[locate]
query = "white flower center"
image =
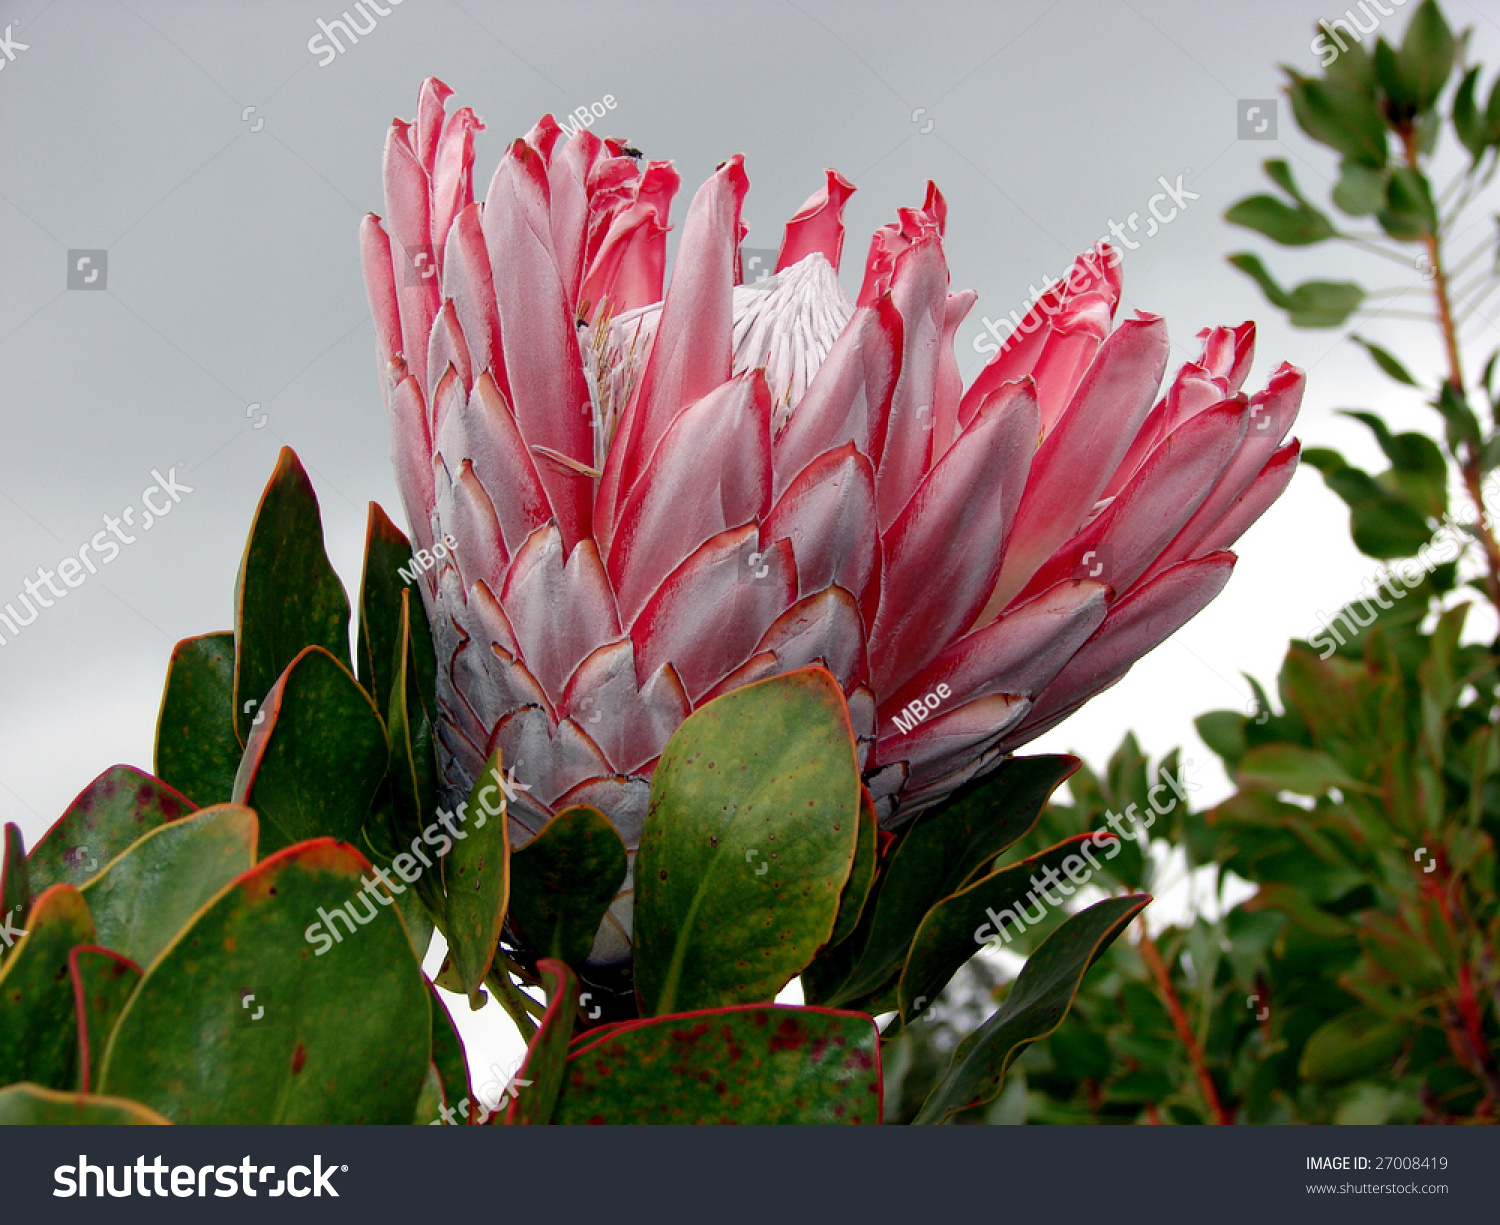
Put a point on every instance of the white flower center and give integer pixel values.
(786, 323)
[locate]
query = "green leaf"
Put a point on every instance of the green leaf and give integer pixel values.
(862, 875)
(944, 848)
(1224, 732)
(145, 896)
(1492, 113)
(36, 993)
(197, 750)
(1344, 119)
(316, 758)
(1294, 902)
(1383, 524)
(1038, 1001)
(1360, 191)
(1387, 363)
(430, 1101)
(404, 804)
(287, 597)
(1358, 1043)
(748, 843)
(1462, 424)
(448, 1055)
(31, 1104)
(562, 882)
(1279, 221)
(1468, 121)
(102, 981)
(540, 1080)
(1419, 473)
(1409, 211)
(950, 932)
(341, 1040)
(1352, 67)
(15, 885)
(476, 873)
(410, 719)
(1290, 767)
(1312, 304)
(114, 810)
(1426, 56)
(387, 554)
(755, 1064)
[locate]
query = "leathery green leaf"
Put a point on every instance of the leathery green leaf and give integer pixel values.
(949, 934)
(15, 884)
(36, 995)
(476, 873)
(317, 756)
(387, 554)
(102, 982)
(145, 896)
(31, 1104)
(242, 1020)
(534, 1091)
(748, 843)
(1038, 1001)
(448, 1055)
(197, 750)
(287, 597)
(941, 850)
(757, 1063)
(862, 875)
(118, 807)
(563, 881)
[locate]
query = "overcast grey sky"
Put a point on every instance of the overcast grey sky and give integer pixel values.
(224, 171)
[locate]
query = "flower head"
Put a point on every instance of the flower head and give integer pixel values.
(657, 497)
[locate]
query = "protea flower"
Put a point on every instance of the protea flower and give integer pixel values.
(658, 498)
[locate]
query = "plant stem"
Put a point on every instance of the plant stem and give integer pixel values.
(513, 1000)
(1154, 963)
(1471, 462)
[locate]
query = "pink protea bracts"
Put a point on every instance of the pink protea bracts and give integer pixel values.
(655, 500)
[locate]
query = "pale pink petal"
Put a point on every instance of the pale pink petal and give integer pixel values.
(1077, 459)
(828, 514)
(561, 610)
(930, 590)
(825, 629)
(1123, 541)
(1020, 652)
(548, 393)
(715, 587)
(631, 725)
(1137, 624)
(818, 226)
(691, 354)
(849, 399)
(468, 284)
(710, 471)
(380, 284)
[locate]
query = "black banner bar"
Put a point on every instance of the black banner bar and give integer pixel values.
(1160, 1174)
